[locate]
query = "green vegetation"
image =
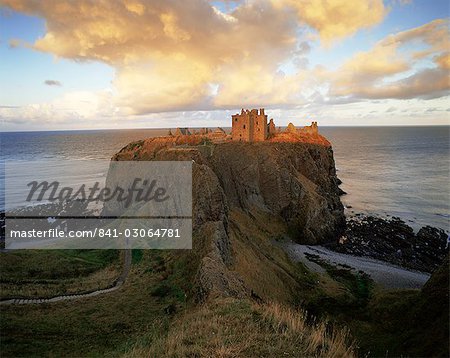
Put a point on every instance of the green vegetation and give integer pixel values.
(206, 141)
(135, 145)
(136, 256)
(359, 285)
(53, 264)
(155, 312)
(97, 326)
(46, 273)
(386, 322)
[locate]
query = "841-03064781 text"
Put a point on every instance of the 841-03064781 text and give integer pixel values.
(98, 232)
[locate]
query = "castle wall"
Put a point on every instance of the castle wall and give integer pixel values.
(271, 128)
(260, 126)
(241, 127)
(249, 126)
(312, 129)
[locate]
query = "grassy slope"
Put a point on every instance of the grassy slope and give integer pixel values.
(385, 323)
(40, 273)
(96, 326)
(240, 328)
(390, 323)
(158, 290)
(154, 312)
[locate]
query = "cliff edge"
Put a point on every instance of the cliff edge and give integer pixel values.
(294, 181)
(245, 195)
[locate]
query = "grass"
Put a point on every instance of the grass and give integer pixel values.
(159, 289)
(387, 323)
(136, 256)
(154, 313)
(53, 264)
(262, 265)
(359, 285)
(46, 273)
(99, 326)
(240, 328)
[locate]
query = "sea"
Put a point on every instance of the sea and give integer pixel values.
(385, 171)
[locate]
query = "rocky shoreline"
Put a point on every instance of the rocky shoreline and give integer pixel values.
(393, 241)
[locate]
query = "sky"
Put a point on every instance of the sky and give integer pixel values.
(167, 63)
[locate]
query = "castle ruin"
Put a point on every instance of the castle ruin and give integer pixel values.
(251, 126)
(312, 129)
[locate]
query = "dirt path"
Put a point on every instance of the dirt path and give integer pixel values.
(75, 296)
(387, 275)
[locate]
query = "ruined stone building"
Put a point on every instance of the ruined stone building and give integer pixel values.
(312, 129)
(249, 126)
(218, 133)
(182, 131)
(272, 129)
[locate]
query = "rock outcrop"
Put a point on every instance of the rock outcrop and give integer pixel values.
(292, 182)
(296, 181)
(394, 241)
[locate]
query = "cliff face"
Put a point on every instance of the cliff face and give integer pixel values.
(294, 181)
(291, 185)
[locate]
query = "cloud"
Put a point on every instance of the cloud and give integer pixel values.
(443, 61)
(52, 83)
(185, 55)
(126, 32)
(335, 19)
(390, 70)
(426, 84)
(13, 43)
(188, 56)
(68, 108)
(403, 2)
(1, 106)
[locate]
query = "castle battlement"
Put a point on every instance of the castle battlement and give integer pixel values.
(251, 126)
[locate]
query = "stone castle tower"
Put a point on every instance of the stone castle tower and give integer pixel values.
(249, 126)
(252, 126)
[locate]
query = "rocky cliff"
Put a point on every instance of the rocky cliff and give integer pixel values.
(294, 181)
(278, 188)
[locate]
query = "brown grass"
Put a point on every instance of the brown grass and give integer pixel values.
(320, 338)
(238, 328)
